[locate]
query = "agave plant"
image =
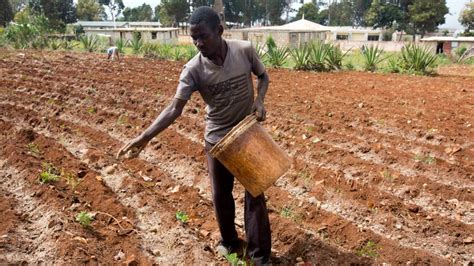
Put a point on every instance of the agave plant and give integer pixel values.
(300, 57)
(417, 58)
(372, 57)
(177, 53)
(276, 57)
(393, 64)
(150, 50)
(260, 50)
(136, 43)
(55, 44)
(334, 57)
(68, 45)
(191, 51)
(89, 43)
(165, 51)
(318, 56)
(121, 44)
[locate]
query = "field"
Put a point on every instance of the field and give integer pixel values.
(383, 165)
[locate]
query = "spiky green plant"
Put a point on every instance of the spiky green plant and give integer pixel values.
(182, 217)
(54, 44)
(191, 51)
(68, 45)
(49, 174)
(150, 50)
(90, 43)
(260, 50)
(84, 218)
(276, 57)
(301, 57)
(136, 43)
(334, 57)
(372, 57)
(165, 51)
(318, 56)
(417, 58)
(393, 64)
(177, 53)
(121, 44)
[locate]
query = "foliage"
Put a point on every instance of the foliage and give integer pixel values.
(141, 13)
(368, 250)
(234, 259)
(393, 64)
(54, 44)
(29, 32)
(90, 43)
(177, 53)
(33, 149)
(89, 10)
(121, 44)
(191, 52)
(136, 43)
(318, 56)
(334, 57)
(114, 7)
(177, 9)
(340, 13)
(426, 15)
(150, 50)
(383, 14)
(372, 56)
(275, 56)
(84, 218)
(182, 217)
(58, 12)
(417, 58)
(310, 12)
(466, 17)
(68, 45)
(6, 12)
(300, 57)
(49, 174)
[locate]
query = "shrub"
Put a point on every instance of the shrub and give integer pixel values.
(417, 58)
(318, 56)
(90, 43)
(275, 56)
(49, 174)
(136, 43)
(372, 57)
(121, 44)
(393, 64)
(55, 44)
(150, 50)
(68, 45)
(165, 51)
(300, 57)
(177, 53)
(334, 57)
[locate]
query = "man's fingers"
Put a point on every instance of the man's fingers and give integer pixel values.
(123, 150)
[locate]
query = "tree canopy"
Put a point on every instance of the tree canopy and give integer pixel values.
(466, 18)
(89, 10)
(58, 12)
(426, 15)
(6, 12)
(141, 13)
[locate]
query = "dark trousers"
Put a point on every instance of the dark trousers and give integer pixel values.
(257, 224)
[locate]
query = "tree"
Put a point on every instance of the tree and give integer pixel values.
(360, 8)
(58, 12)
(426, 15)
(18, 5)
(466, 18)
(310, 12)
(176, 10)
(6, 12)
(384, 15)
(274, 10)
(340, 13)
(89, 10)
(141, 13)
(114, 7)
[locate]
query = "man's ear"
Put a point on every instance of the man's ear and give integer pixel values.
(220, 29)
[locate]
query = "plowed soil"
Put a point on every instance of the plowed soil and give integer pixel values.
(383, 166)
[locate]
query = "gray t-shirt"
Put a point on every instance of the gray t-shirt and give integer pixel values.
(227, 89)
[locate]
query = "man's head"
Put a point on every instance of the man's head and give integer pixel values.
(206, 30)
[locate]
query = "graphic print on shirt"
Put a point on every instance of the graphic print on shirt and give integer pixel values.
(229, 92)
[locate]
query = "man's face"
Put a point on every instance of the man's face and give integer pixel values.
(207, 40)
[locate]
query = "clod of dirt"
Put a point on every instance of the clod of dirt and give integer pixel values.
(120, 256)
(110, 169)
(468, 240)
(414, 208)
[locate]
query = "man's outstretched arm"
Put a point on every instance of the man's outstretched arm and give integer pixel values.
(258, 106)
(163, 121)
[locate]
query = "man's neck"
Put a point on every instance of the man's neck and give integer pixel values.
(219, 57)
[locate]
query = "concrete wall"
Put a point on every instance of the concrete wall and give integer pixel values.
(355, 45)
(163, 37)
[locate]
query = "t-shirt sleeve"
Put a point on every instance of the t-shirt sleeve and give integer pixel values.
(186, 85)
(257, 66)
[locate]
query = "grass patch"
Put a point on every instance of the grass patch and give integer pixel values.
(427, 159)
(33, 149)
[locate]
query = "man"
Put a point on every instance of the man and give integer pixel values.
(221, 73)
(113, 52)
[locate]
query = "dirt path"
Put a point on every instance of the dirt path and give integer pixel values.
(382, 165)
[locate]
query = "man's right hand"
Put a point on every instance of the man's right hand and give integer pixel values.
(133, 147)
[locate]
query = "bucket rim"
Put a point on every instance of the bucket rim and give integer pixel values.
(233, 134)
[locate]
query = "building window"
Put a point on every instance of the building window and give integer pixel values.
(373, 38)
(153, 35)
(342, 37)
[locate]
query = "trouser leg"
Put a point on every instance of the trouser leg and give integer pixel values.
(222, 183)
(257, 228)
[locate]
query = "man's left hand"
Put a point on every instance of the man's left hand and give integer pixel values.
(259, 110)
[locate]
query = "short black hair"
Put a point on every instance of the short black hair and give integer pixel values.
(205, 15)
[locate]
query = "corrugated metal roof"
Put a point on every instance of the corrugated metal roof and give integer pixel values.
(352, 29)
(111, 24)
(132, 29)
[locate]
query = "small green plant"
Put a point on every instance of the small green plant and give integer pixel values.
(191, 52)
(165, 51)
(122, 119)
(372, 57)
(136, 43)
(300, 57)
(349, 66)
(182, 217)
(49, 174)
(84, 218)
(92, 110)
(428, 159)
(121, 44)
(318, 56)
(33, 149)
(393, 64)
(55, 44)
(334, 57)
(234, 259)
(368, 250)
(177, 53)
(71, 179)
(68, 45)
